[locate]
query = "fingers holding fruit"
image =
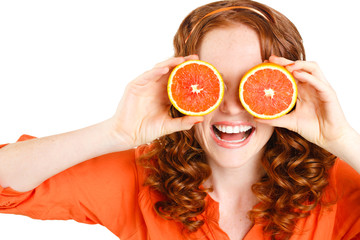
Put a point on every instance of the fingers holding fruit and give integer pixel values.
(318, 116)
(142, 114)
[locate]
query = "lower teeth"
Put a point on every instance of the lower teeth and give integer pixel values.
(234, 141)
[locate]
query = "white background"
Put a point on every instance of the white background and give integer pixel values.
(64, 65)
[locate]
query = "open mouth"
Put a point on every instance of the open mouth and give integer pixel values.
(232, 134)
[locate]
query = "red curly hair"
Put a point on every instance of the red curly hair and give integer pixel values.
(296, 170)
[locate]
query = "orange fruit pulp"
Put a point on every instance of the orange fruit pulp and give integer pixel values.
(268, 91)
(195, 88)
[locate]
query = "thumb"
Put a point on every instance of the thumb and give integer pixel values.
(286, 121)
(183, 123)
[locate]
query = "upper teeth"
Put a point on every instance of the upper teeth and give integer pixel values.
(232, 129)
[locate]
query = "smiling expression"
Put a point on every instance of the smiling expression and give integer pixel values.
(229, 135)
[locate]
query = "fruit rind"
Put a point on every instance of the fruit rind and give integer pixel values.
(268, 66)
(221, 88)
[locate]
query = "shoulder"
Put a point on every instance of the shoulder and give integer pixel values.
(343, 181)
(124, 166)
(344, 189)
(344, 177)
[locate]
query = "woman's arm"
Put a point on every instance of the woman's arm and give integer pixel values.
(141, 117)
(24, 165)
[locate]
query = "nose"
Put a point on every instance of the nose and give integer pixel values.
(231, 102)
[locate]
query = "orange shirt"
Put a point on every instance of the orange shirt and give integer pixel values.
(108, 190)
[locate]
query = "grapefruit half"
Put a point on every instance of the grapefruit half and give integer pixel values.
(268, 91)
(195, 88)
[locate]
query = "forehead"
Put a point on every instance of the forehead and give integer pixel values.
(231, 48)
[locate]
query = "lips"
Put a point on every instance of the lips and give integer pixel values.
(232, 135)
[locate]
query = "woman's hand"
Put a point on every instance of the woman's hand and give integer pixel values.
(318, 116)
(142, 114)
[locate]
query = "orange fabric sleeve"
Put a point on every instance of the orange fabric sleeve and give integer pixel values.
(347, 223)
(103, 190)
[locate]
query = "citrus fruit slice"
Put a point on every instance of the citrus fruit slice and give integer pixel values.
(195, 88)
(268, 91)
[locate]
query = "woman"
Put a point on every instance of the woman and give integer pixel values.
(192, 181)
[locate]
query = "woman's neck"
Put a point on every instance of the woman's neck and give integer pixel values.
(234, 183)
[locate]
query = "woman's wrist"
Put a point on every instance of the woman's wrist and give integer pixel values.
(115, 137)
(342, 142)
(347, 147)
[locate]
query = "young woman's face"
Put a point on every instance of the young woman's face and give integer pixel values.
(229, 135)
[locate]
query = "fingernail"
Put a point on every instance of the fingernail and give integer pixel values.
(291, 64)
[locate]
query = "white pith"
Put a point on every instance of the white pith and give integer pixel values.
(269, 92)
(195, 88)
